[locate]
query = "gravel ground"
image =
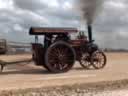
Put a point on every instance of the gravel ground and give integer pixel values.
(18, 77)
(115, 88)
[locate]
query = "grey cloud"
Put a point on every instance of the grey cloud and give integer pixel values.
(110, 26)
(56, 15)
(9, 19)
(112, 19)
(29, 13)
(59, 16)
(29, 4)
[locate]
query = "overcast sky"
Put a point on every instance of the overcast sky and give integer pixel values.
(17, 16)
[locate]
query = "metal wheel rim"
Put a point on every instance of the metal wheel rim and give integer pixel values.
(60, 58)
(84, 62)
(98, 60)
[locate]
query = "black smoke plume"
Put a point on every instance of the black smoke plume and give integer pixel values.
(89, 9)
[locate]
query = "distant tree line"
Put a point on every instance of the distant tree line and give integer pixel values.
(115, 50)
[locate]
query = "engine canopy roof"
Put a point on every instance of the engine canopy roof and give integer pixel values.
(50, 30)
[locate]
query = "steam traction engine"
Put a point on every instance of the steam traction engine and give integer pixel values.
(59, 53)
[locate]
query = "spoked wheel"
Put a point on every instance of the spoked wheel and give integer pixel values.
(60, 57)
(98, 60)
(85, 61)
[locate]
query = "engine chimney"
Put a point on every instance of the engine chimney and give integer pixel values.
(90, 33)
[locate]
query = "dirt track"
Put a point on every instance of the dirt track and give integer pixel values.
(29, 76)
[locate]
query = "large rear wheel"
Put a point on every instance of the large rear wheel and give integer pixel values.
(60, 57)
